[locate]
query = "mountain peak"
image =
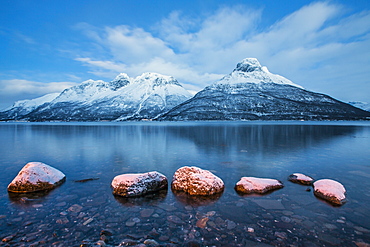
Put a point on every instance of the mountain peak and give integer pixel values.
(121, 76)
(157, 79)
(249, 70)
(248, 65)
(121, 80)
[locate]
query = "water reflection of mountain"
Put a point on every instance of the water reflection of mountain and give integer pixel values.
(260, 138)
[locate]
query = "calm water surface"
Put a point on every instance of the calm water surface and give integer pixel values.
(77, 214)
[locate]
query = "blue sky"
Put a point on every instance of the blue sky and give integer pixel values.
(47, 46)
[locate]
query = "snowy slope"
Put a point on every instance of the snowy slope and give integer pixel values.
(251, 92)
(23, 107)
(250, 70)
(123, 98)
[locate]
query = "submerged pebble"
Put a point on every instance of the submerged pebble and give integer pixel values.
(269, 220)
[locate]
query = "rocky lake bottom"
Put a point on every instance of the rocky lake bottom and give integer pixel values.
(88, 214)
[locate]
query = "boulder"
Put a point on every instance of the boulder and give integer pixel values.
(330, 190)
(138, 184)
(300, 178)
(248, 185)
(196, 181)
(36, 176)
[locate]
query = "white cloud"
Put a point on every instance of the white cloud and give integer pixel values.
(108, 65)
(316, 46)
(188, 77)
(16, 87)
(24, 38)
(133, 45)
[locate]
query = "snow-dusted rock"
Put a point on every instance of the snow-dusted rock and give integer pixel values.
(257, 185)
(36, 176)
(196, 181)
(330, 190)
(300, 178)
(138, 184)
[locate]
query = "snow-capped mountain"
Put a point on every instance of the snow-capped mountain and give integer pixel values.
(124, 98)
(251, 92)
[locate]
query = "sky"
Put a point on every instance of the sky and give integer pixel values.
(47, 46)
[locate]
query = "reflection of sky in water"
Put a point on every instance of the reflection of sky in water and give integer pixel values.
(246, 148)
(231, 150)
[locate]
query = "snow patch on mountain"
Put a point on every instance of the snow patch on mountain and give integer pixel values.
(23, 107)
(87, 91)
(30, 104)
(250, 70)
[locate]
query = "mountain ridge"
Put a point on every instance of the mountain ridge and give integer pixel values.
(249, 92)
(123, 98)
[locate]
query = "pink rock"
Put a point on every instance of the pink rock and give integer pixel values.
(36, 176)
(300, 179)
(257, 185)
(131, 185)
(330, 190)
(196, 181)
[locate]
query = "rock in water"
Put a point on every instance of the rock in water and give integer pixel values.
(131, 185)
(196, 181)
(257, 185)
(300, 178)
(330, 190)
(36, 176)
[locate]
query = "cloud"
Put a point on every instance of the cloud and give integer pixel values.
(17, 89)
(16, 86)
(106, 65)
(24, 38)
(193, 51)
(133, 45)
(317, 46)
(209, 44)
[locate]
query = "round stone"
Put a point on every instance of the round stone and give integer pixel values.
(36, 176)
(131, 185)
(196, 181)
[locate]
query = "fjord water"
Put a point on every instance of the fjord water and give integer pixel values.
(77, 212)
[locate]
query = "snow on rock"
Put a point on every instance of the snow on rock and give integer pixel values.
(330, 190)
(300, 179)
(138, 184)
(36, 176)
(34, 103)
(249, 70)
(250, 185)
(196, 181)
